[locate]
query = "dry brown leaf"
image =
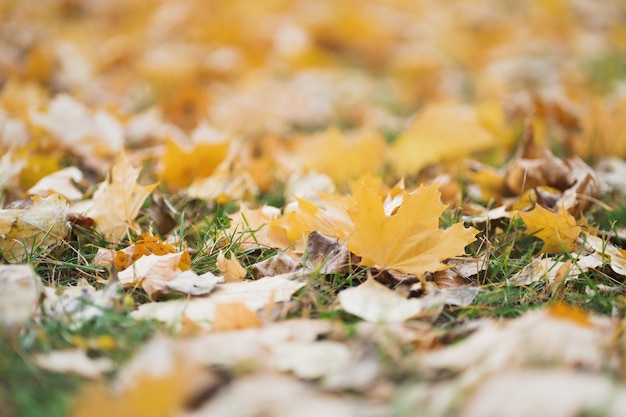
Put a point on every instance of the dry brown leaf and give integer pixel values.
(117, 201)
(409, 241)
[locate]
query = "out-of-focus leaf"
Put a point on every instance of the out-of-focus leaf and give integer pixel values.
(41, 226)
(372, 301)
(440, 131)
(20, 287)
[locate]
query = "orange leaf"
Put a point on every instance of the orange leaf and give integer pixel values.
(409, 241)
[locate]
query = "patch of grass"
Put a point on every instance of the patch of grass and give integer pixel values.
(27, 391)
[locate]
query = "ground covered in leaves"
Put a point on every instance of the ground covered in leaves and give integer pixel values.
(313, 207)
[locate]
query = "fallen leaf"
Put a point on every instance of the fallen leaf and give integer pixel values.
(251, 395)
(41, 226)
(433, 137)
(182, 166)
(351, 156)
(73, 361)
(152, 272)
(281, 263)
(234, 316)
(188, 282)
(538, 336)
(159, 381)
(558, 231)
(231, 269)
(557, 393)
(92, 135)
(78, 304)
(20, 287)
(117, 201)
(409, 241)
(607, 251)
(254, 294)
(61, 182)
(326, 255)
(374, 302)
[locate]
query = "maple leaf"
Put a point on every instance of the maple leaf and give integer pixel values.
(230, 268)
(557, 230)
(410, 240)
(432, 137)
(181, 166)
(350, 158)
(118, 199)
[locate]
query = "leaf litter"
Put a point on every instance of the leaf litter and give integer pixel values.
(357, 209)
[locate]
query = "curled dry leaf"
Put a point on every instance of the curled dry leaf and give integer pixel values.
(281, 263)
(326, 255)
(607, 250)
(41, 226)
(535, 166)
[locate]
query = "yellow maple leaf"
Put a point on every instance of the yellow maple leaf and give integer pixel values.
(558, 231)
(231, 269)
(351, 156)
(409, 241)
(117, 201)
(181, 166)
(304, 217)
(440, 131)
